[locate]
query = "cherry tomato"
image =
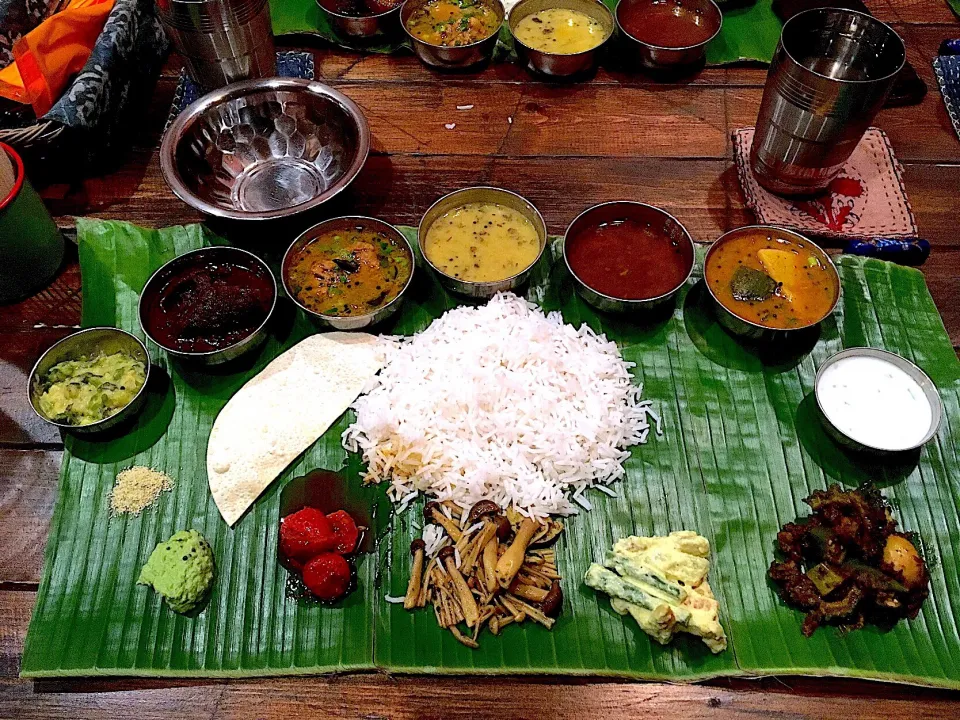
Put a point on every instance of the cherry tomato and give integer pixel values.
(327, 576)
(306, 533)
(345, 530)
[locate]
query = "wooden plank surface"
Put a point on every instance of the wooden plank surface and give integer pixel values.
(620, 135)
(379, 697)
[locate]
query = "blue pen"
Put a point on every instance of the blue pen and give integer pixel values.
(950, 47)
(904, 251)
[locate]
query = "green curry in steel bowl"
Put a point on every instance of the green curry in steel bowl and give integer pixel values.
(348, 272)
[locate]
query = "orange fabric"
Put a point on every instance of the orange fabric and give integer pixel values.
(50, 55)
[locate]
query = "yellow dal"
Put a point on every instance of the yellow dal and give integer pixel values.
(560, 31)
(482, 242)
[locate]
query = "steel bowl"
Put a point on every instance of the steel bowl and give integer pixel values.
(264, 149)
(556, 64)
(84, 345)
(220, 253)
(451, 58)
(482, 290)
(746, 328)
(354, 322)
(623, 210)
(361, 27)
(657, 57)
(923, 380)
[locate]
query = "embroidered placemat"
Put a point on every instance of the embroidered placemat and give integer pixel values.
(867, 199)
(290, 64)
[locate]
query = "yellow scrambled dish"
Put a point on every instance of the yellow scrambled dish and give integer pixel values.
(662, 583)
(82, 392)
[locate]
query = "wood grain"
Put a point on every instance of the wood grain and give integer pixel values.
(622, 135)
(376, 697)
(19, 425)
(27, 496)
(372, 697)
(914, 11)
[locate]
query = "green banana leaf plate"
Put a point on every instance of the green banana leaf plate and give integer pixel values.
(741, 447)
(750, 31)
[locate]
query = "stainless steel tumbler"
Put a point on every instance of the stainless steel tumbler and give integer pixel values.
(221, 41)
(830, 75)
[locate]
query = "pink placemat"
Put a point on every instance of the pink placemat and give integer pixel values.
(866, 200)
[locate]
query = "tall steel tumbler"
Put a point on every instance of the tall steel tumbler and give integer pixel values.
(221, 41)
(830, 75)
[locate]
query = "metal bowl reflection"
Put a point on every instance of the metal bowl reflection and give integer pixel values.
(265, 149)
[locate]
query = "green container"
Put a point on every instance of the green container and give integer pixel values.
(31, 245)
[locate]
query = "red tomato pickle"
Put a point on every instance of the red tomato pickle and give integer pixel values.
(345, 530)
(327, 576)
(305, 534)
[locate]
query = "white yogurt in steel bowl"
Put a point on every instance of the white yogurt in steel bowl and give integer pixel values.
(876, 400)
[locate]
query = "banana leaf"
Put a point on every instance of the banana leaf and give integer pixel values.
(741, 447)
(750, 31)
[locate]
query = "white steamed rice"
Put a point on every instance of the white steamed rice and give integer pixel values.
(501, 402)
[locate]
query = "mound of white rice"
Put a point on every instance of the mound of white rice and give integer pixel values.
(504, 403)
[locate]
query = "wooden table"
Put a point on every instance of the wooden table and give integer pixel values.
(564, 147)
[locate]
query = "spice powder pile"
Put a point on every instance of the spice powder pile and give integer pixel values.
(136, 489)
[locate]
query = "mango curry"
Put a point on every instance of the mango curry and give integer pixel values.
(772, 280)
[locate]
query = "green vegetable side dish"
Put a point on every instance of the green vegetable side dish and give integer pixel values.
(181, 570)
(453, 23)
(662, 583)
(82, 392)
(749, 284)
(349, 273)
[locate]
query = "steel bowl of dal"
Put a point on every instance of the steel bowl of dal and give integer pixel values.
(476, 262)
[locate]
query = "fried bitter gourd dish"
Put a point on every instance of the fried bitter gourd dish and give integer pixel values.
(847, 564)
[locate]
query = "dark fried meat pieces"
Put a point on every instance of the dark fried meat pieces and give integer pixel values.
(831, 564)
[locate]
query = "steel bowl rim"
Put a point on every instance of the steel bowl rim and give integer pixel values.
(421, 234)
(616, 17)
(329, 221)
(836, 273)
(841, 80)
(335, 14)
(600, 5)
(857, 351)
(472, 45)
(218, 351)
(174, 134)
(148, 365)
(632, 301)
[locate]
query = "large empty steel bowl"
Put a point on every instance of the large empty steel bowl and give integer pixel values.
(264, 149)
